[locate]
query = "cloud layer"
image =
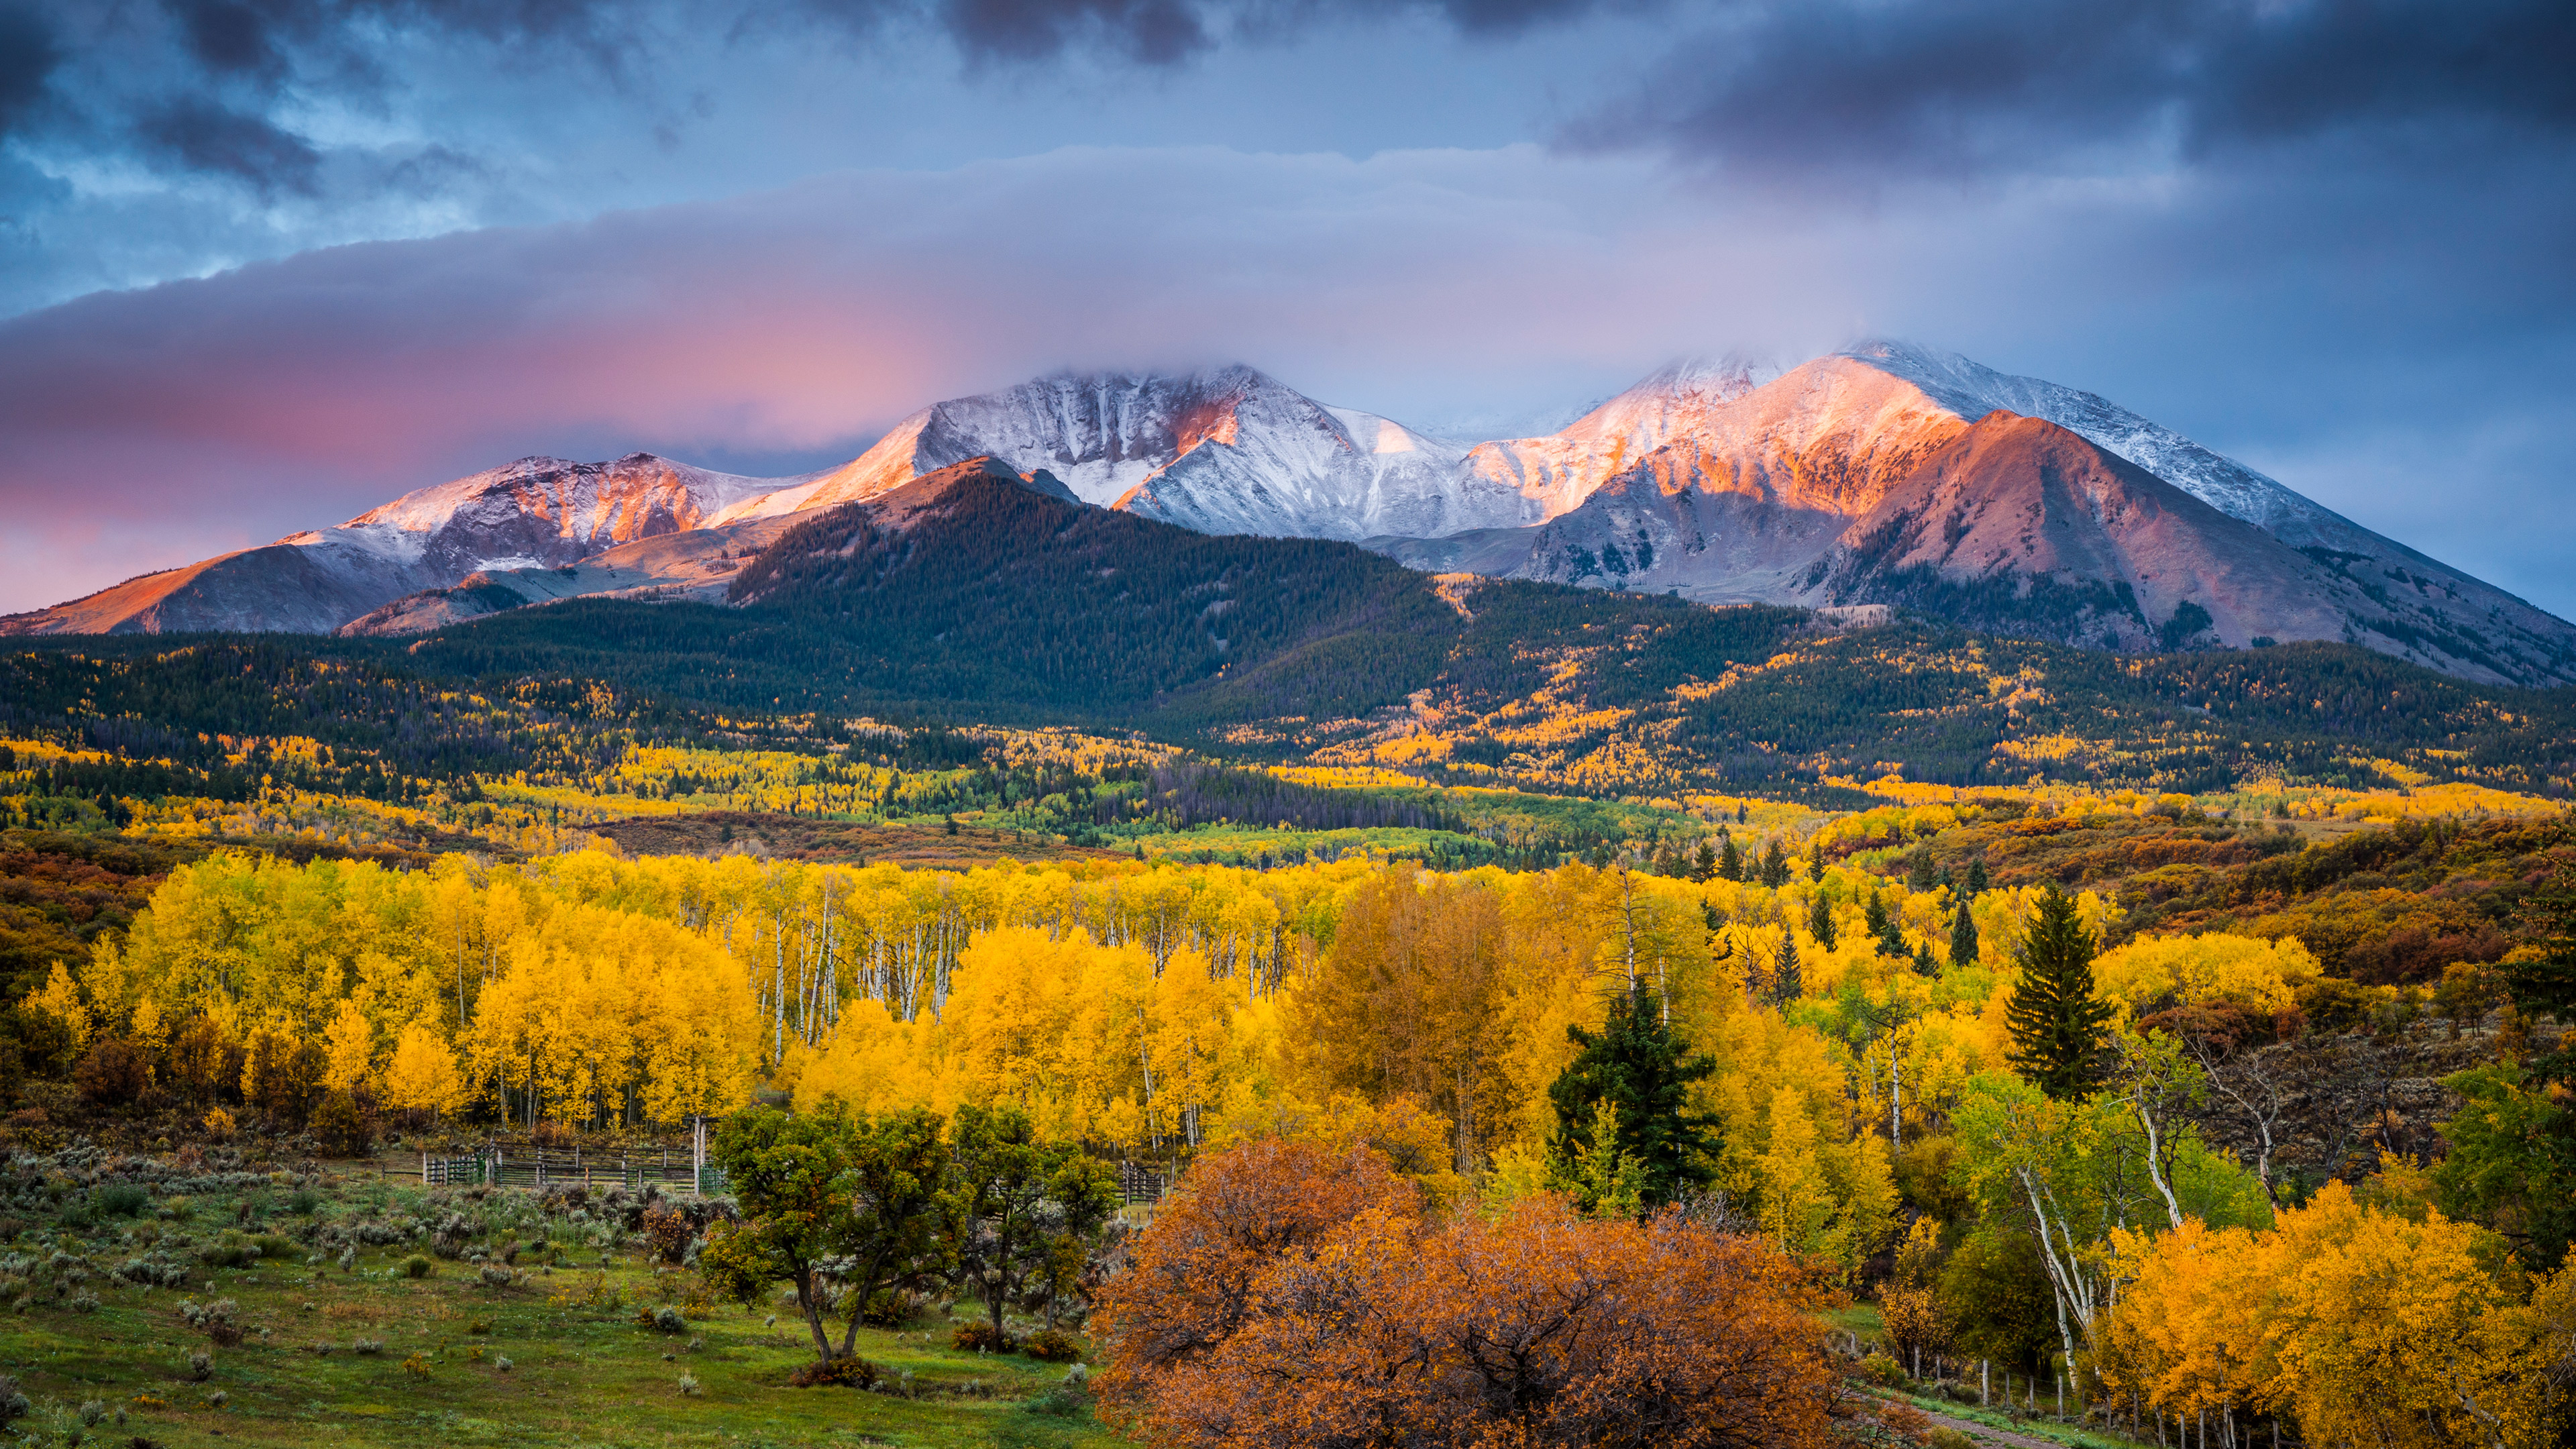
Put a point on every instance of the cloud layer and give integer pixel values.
(784, 328)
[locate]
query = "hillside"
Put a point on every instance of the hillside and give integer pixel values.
(977, 596)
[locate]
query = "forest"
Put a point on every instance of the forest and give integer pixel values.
(2019, 1078)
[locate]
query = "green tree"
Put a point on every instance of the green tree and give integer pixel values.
(1730, 861)
(1816, 861)
(841, 1206)
(2512, 1160)
(1820, 920)
(2057, 1024)
(1015, 1205)
(1787, 982)
(1976, 878)
(1775, 865)
(1642, 1072)
(1963, 937)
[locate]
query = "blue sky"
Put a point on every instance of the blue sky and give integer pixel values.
(264, 263)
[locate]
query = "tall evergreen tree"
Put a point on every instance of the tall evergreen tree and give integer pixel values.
(1643, 1072)
(1923, 962)
(1703, 861)
(1963, 938)
(2056, 1022)
(1820, 921)
(1816, 861)
(1730, 861)
(1918, 871)
(1976, 879)
(1787, 984)
(1775, 865)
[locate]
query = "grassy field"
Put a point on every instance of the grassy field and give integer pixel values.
(355, 1350)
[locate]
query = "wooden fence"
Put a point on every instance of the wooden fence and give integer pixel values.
(502, 1164)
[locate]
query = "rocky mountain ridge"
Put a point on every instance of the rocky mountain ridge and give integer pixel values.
(1725, 481)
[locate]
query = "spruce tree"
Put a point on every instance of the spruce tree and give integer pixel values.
(1923, 963)
(2056, 1023)
(1918, 873)
(1730, 862)
(1963, 938)
(1976, 879)
(1775, 865)
(1637, 1067)
(1703, 862)
(1820, 921)
(1816, 861)
(1786, 984)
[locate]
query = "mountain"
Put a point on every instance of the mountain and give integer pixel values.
(1748, 487)
(1721, 482)
(1223, 451)
(2020, 526)
(534, 513)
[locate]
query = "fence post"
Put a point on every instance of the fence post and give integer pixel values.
(424, 1169)
(1985, 1383)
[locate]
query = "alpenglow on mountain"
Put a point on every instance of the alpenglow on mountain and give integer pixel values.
(1882, 474)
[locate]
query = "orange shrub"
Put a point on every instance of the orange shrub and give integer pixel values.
(1334, 1315)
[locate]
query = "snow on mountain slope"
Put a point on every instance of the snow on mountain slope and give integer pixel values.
(534, 513)
(1556, 473)
(1228, 450)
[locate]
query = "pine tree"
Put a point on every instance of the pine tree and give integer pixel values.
(1918, 873)
(1976, 879)
(1820, 921)
(1816, 861)
(1775, 865)
(1741, 813)
(1730, 863)
(1923, 963)
(2056, 1022)
(1639, 1070)
(1963, 938)
(1703, 862)
(1786, 984)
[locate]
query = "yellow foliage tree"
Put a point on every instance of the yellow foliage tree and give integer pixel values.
(421, 1075)
(349, 1049)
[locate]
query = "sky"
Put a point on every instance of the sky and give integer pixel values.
(267, 263)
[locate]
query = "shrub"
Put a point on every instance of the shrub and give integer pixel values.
(496, 1276)
(215, 1320)
(120, 1200)
(503, 1364)
(91, 1412)
(13, 1403)
(853, 1372)
(980, 1335)
(201, 1366)
(1053, 1346)
(1220, 1319)
(85, 1303)
(417, 1366)
(219, 1124)
(669, 1232)
(1878, 1368)
(891, 1308)
(367, 1347)
(1948, 1439)
(416, 1266)
(665, 1319)
(1067, 1400)
(304, 1203)
(113, 1074)
(689, 1385)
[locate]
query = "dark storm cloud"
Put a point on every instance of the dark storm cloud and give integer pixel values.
(29, 52)
(1148, 32)
(1981, 86)
(206, 137)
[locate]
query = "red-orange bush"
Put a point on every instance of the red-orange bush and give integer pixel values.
(1287, 1299)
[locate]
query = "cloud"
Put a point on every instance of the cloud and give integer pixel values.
(1896, 88)
(206, 137)
(779, 330)
(29, 53)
